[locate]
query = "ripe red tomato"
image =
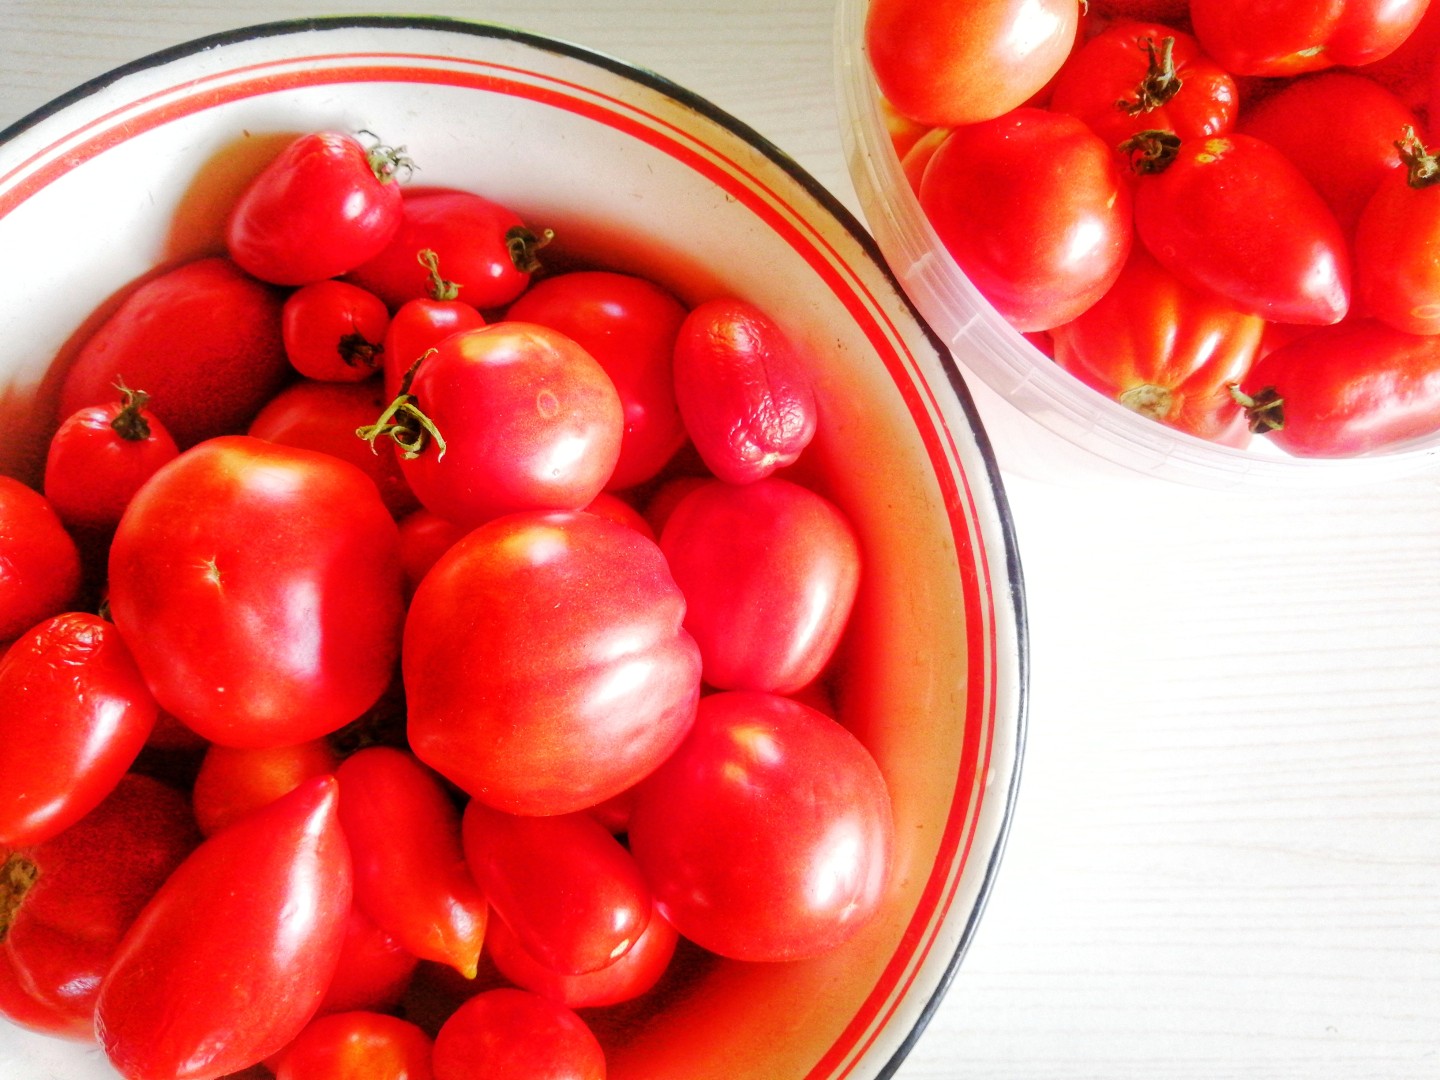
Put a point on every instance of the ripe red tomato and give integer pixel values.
(1232, 215)
(334, 331)
(424, 537)
(510, 1034)
(545, 663)
(1139, 76)
(1034, 209)
(422, 323)
(629, 325)
(202, 339)
(1339, 128)
(374, 971)
(324, 416)
(359, 1045)
(948, 65)
(627, 978)
(567, 889)
(234, 781)
(39, 562)
(77, 713)
(769, 571)
(1290, 37)
(743, 389)
(485, 248)
(1339, 391)
(259, 588)
(231, 957)
(99, 457)
(410, 873)
(1397, 274)
(511, 416)
(322, 207)
(70, 899)
(1164, 349)
(768, 834)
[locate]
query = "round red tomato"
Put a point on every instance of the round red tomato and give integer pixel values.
(259, 588)
(510, 1034)
(510, 416)
(769, 571)
(39, 562)
(99, 457)
(230, 959)
(1290, 37)
(629, 325)
(422, 323)
(334, 331)
(948, 65)
(768, 834)
(1034, 209)
(323, 206)
(359, 1045)
(1397, 274)
(546, 666)
(77, 713)
(1165, 350)
(1232, 215)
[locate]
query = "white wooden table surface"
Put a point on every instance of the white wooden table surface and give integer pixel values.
(1226, 856)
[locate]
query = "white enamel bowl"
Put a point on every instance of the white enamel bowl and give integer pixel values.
(135, 170)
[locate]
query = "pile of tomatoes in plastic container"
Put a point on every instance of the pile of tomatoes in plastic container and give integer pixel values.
(408, 566)
(1225, 216)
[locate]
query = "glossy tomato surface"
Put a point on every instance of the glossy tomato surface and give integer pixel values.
(39, 562)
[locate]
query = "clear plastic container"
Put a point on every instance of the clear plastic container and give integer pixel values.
(1044, 423)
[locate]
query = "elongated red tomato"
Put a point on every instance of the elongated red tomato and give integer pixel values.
(770, 571)
(1231, 214)
(568, 890)
(1034, 209)
(374, 970)
(230, 959)
(1165, 350)
(1339, 391)
(259, 588)
(77, 713)
(1397, 275)
(411, 877)
(768, 834)
(953, 64)
(39, 562)
(546, 666)
(322, 207)
(1290, 37)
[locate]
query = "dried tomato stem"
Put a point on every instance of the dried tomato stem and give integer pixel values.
(1264, 411)
(405, 422)
(128, 422)
(387, 162)
(440, 288)
(1422, 167)
(523, 244)
(16, 878)
(1161, 82)
(1151, 151)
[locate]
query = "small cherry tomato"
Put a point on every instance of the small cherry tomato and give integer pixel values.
(1232, 215)
(422, 323)
(77, 713)
(564, 886)
(953, 64)
(769, 571)
(259, 906)
(743, 389)
(259, 589)
(1290, 37)
(510, 1034)
(1397, 273)
(359, 1045)
(511, 416)
(411, 878)
(70, 899)
(768, 834)
(324, 416)
(334, 331)
(484, 247)
(234, 781)
(545, 663)
(1165, 350)
(1340, 391)
(39, 562)
(1339, 128)
(629, 325)
(204, 342)
(99, 457)
(322, 207)
(1034, 209)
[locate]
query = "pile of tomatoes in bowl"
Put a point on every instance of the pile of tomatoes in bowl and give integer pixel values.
(390, 596)
(1223, 217)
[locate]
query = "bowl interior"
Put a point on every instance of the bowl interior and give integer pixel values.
(135, 172)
